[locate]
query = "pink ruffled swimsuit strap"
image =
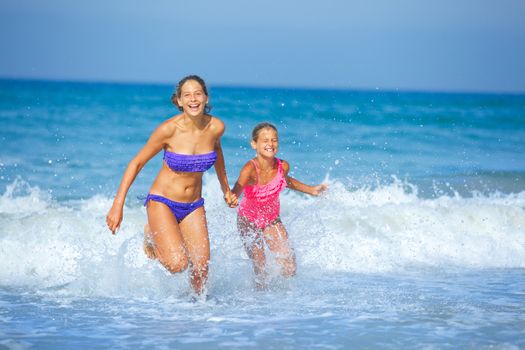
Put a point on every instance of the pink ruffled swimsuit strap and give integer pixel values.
(260, 203)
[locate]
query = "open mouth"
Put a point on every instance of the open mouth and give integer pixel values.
(194, 107)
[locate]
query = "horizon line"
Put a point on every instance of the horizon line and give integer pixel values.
(212, 85)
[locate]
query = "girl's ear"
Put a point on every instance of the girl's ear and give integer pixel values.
(254, 144)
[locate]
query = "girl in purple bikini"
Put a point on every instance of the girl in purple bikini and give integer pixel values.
(177, 234)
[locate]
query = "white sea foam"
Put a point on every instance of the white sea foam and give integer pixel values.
(66, 247)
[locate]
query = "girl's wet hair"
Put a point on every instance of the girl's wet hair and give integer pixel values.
(259, 127)
(177, 93)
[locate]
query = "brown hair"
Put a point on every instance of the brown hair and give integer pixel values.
(177, 93)
(259, 127)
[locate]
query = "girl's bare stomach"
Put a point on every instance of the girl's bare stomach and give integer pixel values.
(177, 186)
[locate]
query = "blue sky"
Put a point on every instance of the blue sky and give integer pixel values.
(407, 44)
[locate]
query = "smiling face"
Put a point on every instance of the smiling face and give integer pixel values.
(193, 98)
(266, 143)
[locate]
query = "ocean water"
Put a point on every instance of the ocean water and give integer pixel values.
(419, 242)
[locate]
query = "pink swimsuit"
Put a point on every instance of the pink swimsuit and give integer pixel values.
(260, 203)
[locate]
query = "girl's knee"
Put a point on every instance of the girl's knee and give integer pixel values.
(176, 263)
(288, 265)
(289, 269)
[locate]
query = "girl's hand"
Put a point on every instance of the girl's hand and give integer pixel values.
(114, 218)
(231, 199)
(317, 190)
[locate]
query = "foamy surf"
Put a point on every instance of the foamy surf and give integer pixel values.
(66, 246)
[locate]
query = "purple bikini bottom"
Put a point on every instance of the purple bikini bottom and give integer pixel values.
(179, 210)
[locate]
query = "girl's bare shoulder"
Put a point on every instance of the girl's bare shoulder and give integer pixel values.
(249, 166)
(217, 125)
(286, 166)
(170, 126)
(248, 173)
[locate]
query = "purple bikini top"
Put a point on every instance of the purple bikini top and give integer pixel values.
(190, 163)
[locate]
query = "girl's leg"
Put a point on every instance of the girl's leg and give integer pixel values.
(276, 238)
(148, 243)
(166, 237)
(253, 244)
(195, 234)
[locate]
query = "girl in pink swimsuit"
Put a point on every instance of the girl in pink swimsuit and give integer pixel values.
(262, 179)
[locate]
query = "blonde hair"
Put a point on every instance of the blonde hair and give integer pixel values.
(259, 127)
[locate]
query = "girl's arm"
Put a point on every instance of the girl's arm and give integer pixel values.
(299, 186)
(244, 179)
(155, 143)
(220, 169)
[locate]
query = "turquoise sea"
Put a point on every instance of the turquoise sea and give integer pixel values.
(418, 244)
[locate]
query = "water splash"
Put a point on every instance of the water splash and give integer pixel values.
(66, 247)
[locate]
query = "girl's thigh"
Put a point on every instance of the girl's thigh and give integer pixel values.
(276, 237)
(251, 235)
(165, 232)
(194, 231)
